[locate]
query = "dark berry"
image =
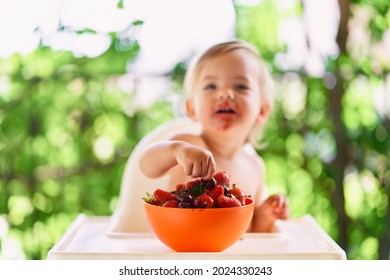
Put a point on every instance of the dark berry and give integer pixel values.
(208, 184)
(199, 204)
(226, 190)
(185, 197)
(184, 205)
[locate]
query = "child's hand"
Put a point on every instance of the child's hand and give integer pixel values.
(276, 206)
(273, 208)
(196, 161)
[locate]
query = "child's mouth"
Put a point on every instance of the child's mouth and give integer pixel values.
(226, 115)
(226, 111)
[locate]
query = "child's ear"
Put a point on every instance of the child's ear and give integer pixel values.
(265, 110)
(189, 107)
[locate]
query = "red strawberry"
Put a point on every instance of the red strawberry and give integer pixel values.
(192, 183)
(150, 199)
(214, 193)
(222, 178)
(246, 201)
(238, 193)
(171, 203)
(206, 200)
(225, 201)
(162, 196)
(195, 187)
(179, 189)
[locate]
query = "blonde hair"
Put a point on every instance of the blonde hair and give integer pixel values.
(265, 78)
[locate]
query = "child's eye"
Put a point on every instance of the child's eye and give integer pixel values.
(210, 87)
(241, 87)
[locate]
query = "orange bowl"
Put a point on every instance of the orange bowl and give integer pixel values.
(199, 230)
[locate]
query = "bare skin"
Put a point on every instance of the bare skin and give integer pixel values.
(227, 103)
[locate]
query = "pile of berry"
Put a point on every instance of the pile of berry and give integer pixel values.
(200, 193)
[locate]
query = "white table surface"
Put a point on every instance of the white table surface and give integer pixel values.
(297, 238)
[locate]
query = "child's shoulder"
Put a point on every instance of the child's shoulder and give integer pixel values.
(190, 138)
(252, 156)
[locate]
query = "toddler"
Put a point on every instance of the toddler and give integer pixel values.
(230, 94)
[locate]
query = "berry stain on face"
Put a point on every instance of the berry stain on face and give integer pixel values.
(225, 115)
(228, 95)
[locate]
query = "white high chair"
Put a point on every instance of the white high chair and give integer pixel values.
(127, 235)
(129, 215)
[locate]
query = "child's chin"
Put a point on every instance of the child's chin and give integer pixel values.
(224, 124)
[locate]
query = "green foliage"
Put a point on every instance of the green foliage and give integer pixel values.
(65, 137)
(267, 19)
(64, 140)
(301, 153)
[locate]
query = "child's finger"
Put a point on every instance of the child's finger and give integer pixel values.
(210, 169)
(284, 214)
(275, 202)
(284, 210)
(188, 169)
(279, 203)
(197, 170)
(204, 169)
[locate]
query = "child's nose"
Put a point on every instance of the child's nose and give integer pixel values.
(226, 94)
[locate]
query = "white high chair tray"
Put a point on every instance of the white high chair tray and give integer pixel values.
(297, 238)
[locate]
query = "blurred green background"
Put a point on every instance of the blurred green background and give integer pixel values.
(67, 127)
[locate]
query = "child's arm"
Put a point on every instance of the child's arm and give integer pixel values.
(158, 158)
(268, 209)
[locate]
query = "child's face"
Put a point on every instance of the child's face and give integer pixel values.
(227, 93)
